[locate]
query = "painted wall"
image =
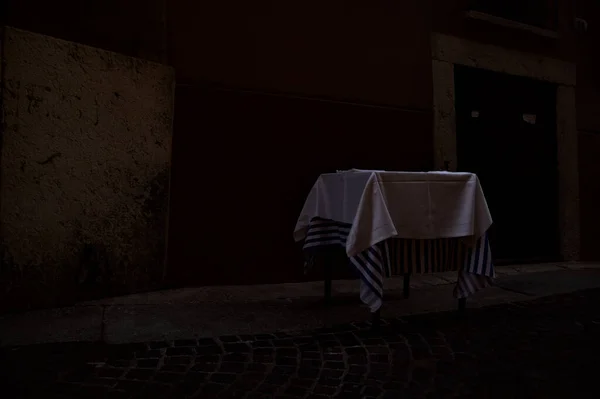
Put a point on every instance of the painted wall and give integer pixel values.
(227, 54)
(355, 53)
(369, 52)
(349, 85)
(84, 171)
(133, 27)
(588, 64)
(589, 176)
(449, 17)
(243, 164)
(588, 123)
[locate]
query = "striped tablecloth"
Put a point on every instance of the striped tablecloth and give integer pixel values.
(397, 256)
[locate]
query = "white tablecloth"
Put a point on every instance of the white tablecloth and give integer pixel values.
(381, 205)
(363, 210)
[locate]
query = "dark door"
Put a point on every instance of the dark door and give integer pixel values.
(506, 134)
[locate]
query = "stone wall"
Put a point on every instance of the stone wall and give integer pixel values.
(85, 170)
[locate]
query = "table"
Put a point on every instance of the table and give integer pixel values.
(392, 223)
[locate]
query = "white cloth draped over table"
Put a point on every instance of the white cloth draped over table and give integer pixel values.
(370, 207)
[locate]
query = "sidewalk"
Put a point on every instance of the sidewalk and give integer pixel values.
(542, 348)
(216, 311)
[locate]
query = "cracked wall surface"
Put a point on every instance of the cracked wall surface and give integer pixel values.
(85, 168)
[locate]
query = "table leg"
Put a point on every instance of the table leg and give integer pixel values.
(327, 283)
(376, 319)
(406, 278)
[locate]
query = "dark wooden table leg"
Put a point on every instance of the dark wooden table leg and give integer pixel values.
(327, 283)
(462, 306)
(376, 319)
(406, 278)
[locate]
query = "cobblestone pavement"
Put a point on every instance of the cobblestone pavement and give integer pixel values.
(547, 348)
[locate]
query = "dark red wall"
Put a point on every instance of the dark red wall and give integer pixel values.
(588, 65)
(243, 164)
(370, 51)
(588, 123)
(244, 161)
(131, 27)
(589, 181)
(371, 57)
(449, 17)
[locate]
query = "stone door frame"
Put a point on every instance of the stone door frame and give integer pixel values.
(447, 51)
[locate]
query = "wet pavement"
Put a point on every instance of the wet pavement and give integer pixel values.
(545, 348)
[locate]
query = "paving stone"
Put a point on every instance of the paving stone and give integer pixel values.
(285, 370)
(257, 367)
(181, 351)
(380, 349)
(232, 367)
(236, 357)
(309, 372)
(314, 347)
(185, 360)
(207, 359)
(110, 372)
(368, 391)
(358, 369)
(356, 351)
(327, 390)
(379, 358)
(79, 374)
(311, 355)
(124, 363)
(148, 363)
(358, 360)
(206, 342)
(544, 348)
(334, 357)
(205, 367)
(229, 338)
(286, 361)
(353, 378)
(92, 392)
(131, 386)
(261, 344)
(185, 342)
(268, 388)
(210, 390)
(174, 368)
(208, 350)
(263, 337)
(297, 391)
(236, 348)
(168, 377)
(277, 379)
(283, 343)
(156, 390)
(332, 373)
(223, 378)
(328, 381)
(103, 382)
(159, 345)
(150, 354)
(188, 387)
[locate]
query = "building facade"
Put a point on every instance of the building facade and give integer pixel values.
(270, 94)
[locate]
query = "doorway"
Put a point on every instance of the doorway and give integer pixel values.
(506, 134)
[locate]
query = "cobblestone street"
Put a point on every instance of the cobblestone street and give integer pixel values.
(546, 348)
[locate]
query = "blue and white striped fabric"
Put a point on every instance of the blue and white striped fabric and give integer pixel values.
(399, 256)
